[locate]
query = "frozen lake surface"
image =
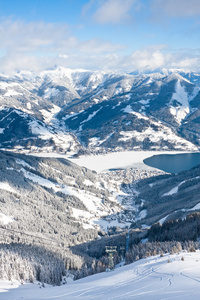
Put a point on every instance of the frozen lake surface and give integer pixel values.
(118, 160)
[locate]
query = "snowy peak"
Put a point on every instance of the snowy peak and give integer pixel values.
(78, 79)
(176, 76)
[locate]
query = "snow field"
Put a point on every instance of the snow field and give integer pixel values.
(50, 92)
(60, 138)
(5, 219)
(6, 187)
(48, 115)
(181, 96)
(153, 278)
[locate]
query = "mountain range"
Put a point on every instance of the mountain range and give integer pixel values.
(80, 111)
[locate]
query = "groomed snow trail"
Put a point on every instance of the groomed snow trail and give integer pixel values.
(153, 278)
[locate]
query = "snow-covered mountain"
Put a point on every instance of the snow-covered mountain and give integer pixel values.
(101, 110)
(20, 130)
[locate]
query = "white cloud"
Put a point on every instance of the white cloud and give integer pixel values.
(21, 36)
(18, 61)
(148, 60)
(187, 63)
(46, 37)
(65, 56)
(38, 45)
(99, 46)
(177, 8)
(115, 11)
(141, 60)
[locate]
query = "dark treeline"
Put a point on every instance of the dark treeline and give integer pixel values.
(158, 199)
(49, 262)
(176, 230)
(140, 250)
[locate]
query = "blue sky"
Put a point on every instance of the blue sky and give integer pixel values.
(122, 35)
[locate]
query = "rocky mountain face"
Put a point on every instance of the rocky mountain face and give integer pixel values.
(71, 111)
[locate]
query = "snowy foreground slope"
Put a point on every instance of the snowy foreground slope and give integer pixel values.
(153, 278)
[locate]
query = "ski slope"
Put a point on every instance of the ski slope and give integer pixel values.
(153, 278)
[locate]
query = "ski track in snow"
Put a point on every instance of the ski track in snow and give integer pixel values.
(181, 273)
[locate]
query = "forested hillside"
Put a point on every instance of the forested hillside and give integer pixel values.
(42, 202)
(57, 216)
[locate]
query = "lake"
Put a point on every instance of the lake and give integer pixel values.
(173, 163)
(117, 160)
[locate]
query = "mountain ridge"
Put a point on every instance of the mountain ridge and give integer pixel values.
(117, 110)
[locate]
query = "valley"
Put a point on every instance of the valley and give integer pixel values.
(73, 177)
